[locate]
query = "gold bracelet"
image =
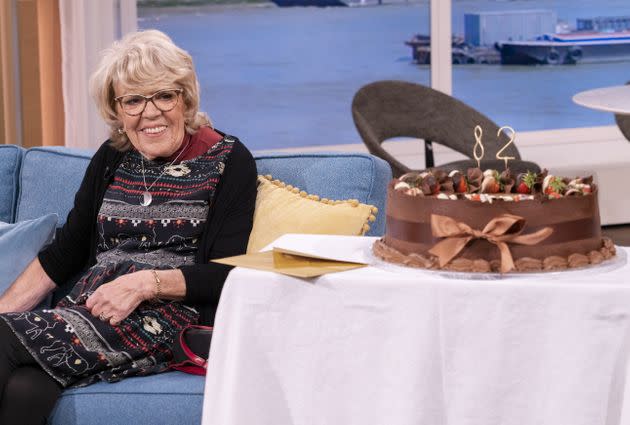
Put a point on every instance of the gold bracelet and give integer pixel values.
(158, 285)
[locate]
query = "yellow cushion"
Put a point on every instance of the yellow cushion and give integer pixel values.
(282, 208)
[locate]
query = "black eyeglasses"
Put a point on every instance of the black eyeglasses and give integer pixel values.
(135, 104)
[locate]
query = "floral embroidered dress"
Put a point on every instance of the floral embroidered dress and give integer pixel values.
(77, 348)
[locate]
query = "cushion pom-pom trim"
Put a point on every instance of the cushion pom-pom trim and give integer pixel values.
(304, 194)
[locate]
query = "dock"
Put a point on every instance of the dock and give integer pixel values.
(462, 52)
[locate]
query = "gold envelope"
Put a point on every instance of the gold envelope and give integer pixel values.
(289, 264)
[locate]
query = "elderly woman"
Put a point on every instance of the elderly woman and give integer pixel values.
(166, 194)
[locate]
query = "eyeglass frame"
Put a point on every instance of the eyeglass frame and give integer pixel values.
(148, 99)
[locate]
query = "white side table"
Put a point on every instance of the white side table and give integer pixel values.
(615, 99)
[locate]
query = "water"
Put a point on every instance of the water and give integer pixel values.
(285, 77)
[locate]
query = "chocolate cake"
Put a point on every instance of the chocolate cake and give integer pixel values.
(491, 222)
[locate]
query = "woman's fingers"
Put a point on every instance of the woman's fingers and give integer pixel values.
(111, 315)
(113, 302)
(92, 300)
(99, 306)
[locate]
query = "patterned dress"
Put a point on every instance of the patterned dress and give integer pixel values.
(77, 348)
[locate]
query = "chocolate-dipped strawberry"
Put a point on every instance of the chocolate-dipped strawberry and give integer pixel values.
(430, 185)
(446, 186)
(525, 182)
(474, 176)
(460, 184)
(445, 183)
(579, 186)
(413, 179)
(506, 181)
(553, 186)
(537, 188)
(490, 182)
(439, 174)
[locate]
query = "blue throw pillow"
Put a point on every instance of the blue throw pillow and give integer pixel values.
(20, 243)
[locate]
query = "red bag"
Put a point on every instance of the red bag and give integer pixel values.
(191, 349)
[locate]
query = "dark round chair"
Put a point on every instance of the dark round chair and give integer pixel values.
(386, 109)
(623, 122)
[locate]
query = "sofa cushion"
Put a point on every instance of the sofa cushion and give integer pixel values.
(49, 178)
(334, 175)
(19, 244)
(167, 398)
(10, 159)
(282, 208)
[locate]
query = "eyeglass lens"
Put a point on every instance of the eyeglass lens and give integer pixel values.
(164, 100)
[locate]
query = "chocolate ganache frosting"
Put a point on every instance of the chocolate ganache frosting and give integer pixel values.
(540, 233)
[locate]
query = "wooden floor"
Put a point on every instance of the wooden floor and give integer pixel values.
(620, 234)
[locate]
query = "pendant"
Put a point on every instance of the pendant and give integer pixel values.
(146, 199)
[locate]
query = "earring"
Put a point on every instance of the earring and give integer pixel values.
(121, 130)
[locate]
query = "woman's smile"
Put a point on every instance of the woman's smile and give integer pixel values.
(153, 131)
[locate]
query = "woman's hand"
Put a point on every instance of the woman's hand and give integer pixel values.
(114, 301)
(30, 288)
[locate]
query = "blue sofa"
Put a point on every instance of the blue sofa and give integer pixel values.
(37, 181)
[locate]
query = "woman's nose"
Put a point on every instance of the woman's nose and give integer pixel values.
(150, 110)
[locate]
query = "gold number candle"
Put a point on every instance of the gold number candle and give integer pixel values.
(512, 137)
(478, 134)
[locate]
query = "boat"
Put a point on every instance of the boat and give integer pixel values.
(601, 39)
(572, 48)
(305, 3)
(462, 52)
(331, 3)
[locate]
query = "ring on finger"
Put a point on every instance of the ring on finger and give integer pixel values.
(102, 317)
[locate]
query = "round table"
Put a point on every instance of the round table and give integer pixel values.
(615, 99)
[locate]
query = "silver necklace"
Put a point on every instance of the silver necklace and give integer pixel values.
(147, 198)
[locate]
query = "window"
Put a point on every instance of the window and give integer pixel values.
(280, 77)
(535, 92)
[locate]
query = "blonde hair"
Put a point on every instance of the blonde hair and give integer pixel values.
(141, 59)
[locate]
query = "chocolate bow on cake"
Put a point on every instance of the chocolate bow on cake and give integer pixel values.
(501, 231)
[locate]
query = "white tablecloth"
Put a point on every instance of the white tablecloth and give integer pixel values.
(387, 345)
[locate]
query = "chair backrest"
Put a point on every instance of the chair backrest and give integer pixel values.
(623, 122)
(386, 109)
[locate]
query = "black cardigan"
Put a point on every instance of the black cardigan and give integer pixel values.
(226, 233)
